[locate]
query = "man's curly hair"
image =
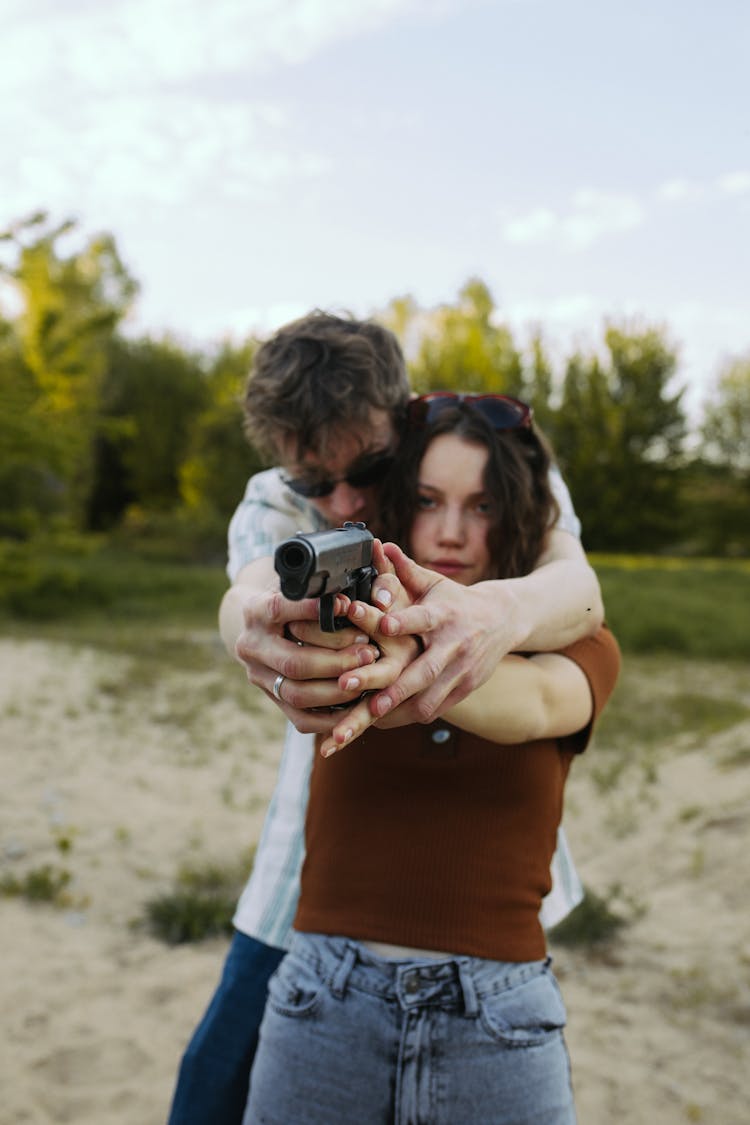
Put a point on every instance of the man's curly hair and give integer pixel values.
(318, 375)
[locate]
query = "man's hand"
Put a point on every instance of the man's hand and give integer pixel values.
(465, 630)
(270, 643)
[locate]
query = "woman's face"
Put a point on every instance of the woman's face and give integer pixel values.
(454, 512)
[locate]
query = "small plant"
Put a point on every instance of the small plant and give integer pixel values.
(592, 923)
(41, 884)
(200, 905)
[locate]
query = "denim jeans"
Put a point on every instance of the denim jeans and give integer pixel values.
(352, 1037)
(215, 1069)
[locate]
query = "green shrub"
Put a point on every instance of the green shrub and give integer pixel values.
(200, 905)
(41, 884)
(50, 580)
(592, 923)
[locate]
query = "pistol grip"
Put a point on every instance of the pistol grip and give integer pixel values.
(328, 622)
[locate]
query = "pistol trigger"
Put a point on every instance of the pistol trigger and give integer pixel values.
(327, 620)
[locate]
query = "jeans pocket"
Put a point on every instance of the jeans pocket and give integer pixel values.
(527, 1015)
(295, 989)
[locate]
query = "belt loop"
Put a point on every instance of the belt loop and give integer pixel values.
(466, 980)
(343, 971)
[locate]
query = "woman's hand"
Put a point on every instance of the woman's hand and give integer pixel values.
(395, 654)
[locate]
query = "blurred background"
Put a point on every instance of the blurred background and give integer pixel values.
(545, 199)
(552, 201)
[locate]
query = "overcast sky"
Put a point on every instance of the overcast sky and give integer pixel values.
(257, 158)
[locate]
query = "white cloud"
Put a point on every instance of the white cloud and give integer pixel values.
(536, 226)
(593, 215)
(734, 183)
(142, 44)
(679, 191)
(106, 103)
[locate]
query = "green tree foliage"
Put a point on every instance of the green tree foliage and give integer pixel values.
(96, 428)
(28, 491)
(726, 424)
(152, 394)
(618, 433)
(719, 480)
(70, 306)
(538, 387)
(220, 459)
(462, 348)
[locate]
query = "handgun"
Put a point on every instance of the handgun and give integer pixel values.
(322, 564)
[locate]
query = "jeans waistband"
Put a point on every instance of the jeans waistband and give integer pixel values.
(454, 982)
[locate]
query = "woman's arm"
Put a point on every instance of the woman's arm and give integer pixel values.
(466, 630)
(542, 696)
(546, 695)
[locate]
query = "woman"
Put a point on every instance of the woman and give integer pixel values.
(417, 988)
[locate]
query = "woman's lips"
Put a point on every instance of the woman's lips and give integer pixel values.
(449, 567)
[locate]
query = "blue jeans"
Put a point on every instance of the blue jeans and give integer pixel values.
(352, 1037)
(215, 1069)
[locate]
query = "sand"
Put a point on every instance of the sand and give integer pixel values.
(136, 778)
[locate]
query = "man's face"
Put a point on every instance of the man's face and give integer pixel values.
(350, 451)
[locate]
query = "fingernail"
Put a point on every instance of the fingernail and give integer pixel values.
(347, 735)
(384, 597)
(383, 705)
(361, 639)
(351, 683)
(358, 611)
(327, 752)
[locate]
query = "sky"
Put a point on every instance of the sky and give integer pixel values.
(254, 159)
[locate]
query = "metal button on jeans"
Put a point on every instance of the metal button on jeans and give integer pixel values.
(411, 983)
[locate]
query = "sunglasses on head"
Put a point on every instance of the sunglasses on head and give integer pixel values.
(501, 411)
(315, 488)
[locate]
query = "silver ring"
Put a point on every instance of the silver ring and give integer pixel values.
(277, 687)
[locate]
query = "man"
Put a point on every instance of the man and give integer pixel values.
(325, 400)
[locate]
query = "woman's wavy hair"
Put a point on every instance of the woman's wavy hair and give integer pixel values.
(516, 479)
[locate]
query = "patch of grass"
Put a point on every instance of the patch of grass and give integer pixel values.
(737, 759)
(695, 607)
(200, 905)
(657, 700)
(47, 580)
(41, 884)
(595, 922)
(694, 989)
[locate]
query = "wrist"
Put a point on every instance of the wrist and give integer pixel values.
(505, 610)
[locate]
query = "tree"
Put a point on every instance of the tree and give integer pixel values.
(152, 393)
(720, 477)
(70, 306)
(462, 349)
(538, 383)
(220, 459)
(726, 418)
(619, 434)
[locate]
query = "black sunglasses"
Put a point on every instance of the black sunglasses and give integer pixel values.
(315, 489)
(503, 412)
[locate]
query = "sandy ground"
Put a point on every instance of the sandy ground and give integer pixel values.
(94, 1013)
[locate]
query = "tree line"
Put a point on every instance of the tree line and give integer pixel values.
(101, 431)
